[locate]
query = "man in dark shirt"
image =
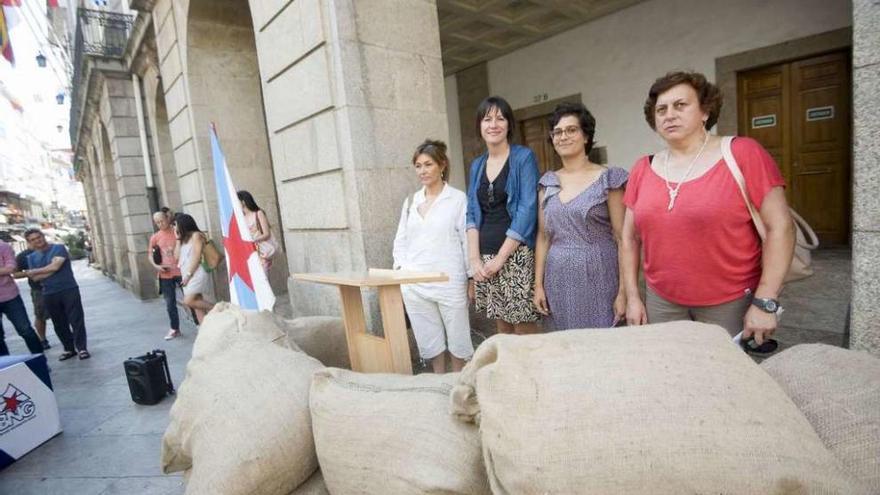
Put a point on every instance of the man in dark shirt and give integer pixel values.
(36, 297)
(50, 265)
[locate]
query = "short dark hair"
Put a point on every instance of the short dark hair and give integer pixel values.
(437, 151)
(248, 199)
(186, 226)
(707, 93)
(501, 104)
(30, 232)
(585, 119)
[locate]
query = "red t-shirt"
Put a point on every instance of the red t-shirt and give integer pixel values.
(166, 240)
(705, 251)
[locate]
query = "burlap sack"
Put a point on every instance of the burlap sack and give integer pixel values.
(241, 418)
(322, 337)
(226, 325)
(838, 390)
(659, 409)
(313, 486)
(392, 434)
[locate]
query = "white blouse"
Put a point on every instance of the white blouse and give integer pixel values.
(436, 242)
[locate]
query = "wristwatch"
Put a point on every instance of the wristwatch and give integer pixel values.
(767, 305)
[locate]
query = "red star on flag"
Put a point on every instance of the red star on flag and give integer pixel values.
(11, 404)
(238, 251)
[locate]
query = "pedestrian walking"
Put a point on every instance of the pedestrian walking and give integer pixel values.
(163, 245)
(703, 259)
(501, 221)
(40, 314)
(193, 278)
(580, 218)
(260, 230)
(431, 236)
(49, 264)
(12, 306)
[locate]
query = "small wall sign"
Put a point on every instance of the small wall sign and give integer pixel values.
(764, 121)
(820, 113)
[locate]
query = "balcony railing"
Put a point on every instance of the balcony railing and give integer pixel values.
(98, 34)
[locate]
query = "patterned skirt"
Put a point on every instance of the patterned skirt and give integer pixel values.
(508, 295)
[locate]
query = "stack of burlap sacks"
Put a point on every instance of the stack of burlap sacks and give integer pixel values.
(672, 408)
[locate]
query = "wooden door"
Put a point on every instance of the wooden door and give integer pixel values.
(533, 133)
(800, 112)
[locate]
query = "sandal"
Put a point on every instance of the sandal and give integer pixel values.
(84, 354)
(66, 355)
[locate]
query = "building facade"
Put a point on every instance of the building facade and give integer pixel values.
(319, 104)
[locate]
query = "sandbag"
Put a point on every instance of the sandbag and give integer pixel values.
(392, 434)
(838, 390)
(669, 408)
(226, 325)
(241, 421)
(313, 486)
(322, 337)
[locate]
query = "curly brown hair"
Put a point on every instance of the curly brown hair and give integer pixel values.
(437, 151)
(708, 94)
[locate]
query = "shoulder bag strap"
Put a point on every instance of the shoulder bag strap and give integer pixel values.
(727, 154)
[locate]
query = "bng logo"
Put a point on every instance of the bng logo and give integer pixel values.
(17, 409)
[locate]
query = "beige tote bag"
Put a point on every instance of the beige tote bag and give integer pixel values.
(800, 262)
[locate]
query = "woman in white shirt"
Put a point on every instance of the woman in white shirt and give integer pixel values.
(431, 236)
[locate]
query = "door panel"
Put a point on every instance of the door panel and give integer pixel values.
(533, 133)
(763, 105)
(821, 143)
(811, 137)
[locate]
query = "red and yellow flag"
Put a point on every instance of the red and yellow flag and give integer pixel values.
(5, 44)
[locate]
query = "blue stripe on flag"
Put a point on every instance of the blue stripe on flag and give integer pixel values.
(223, 199)
(247, 299)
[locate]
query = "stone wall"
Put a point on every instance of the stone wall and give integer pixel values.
(865, 330)
(350, 88)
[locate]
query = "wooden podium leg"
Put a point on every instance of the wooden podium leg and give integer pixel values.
(354, 321)
(394, 324)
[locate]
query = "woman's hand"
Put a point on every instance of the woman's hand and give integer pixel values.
(759, 324)
(492, 267)
(477, 267)
(635, 312)
(540, 300)
(184, 280)
(471, 291)
(619, 307)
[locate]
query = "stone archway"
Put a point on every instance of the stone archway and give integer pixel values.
(225, 89)
(162, 151)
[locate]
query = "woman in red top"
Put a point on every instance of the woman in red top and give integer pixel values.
(703, 259)
(164, 242)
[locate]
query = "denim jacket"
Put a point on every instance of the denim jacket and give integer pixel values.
(522, 194)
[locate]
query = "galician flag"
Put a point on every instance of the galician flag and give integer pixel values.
(248, 285)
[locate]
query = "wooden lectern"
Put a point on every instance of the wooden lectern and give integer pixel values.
(371, 353)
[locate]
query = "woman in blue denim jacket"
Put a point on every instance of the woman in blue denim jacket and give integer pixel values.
(501, 222)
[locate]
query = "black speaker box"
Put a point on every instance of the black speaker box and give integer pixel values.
(148, 377)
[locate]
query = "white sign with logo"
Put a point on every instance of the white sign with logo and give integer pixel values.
(28, 411)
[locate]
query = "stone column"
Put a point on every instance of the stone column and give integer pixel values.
(473, 87)
(865, 331)
(128, 162)
(350, 88)
(96, 232)
(113, 231)
(95, 178)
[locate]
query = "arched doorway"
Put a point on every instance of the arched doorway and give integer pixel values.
(225, 88)
(161, 150)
